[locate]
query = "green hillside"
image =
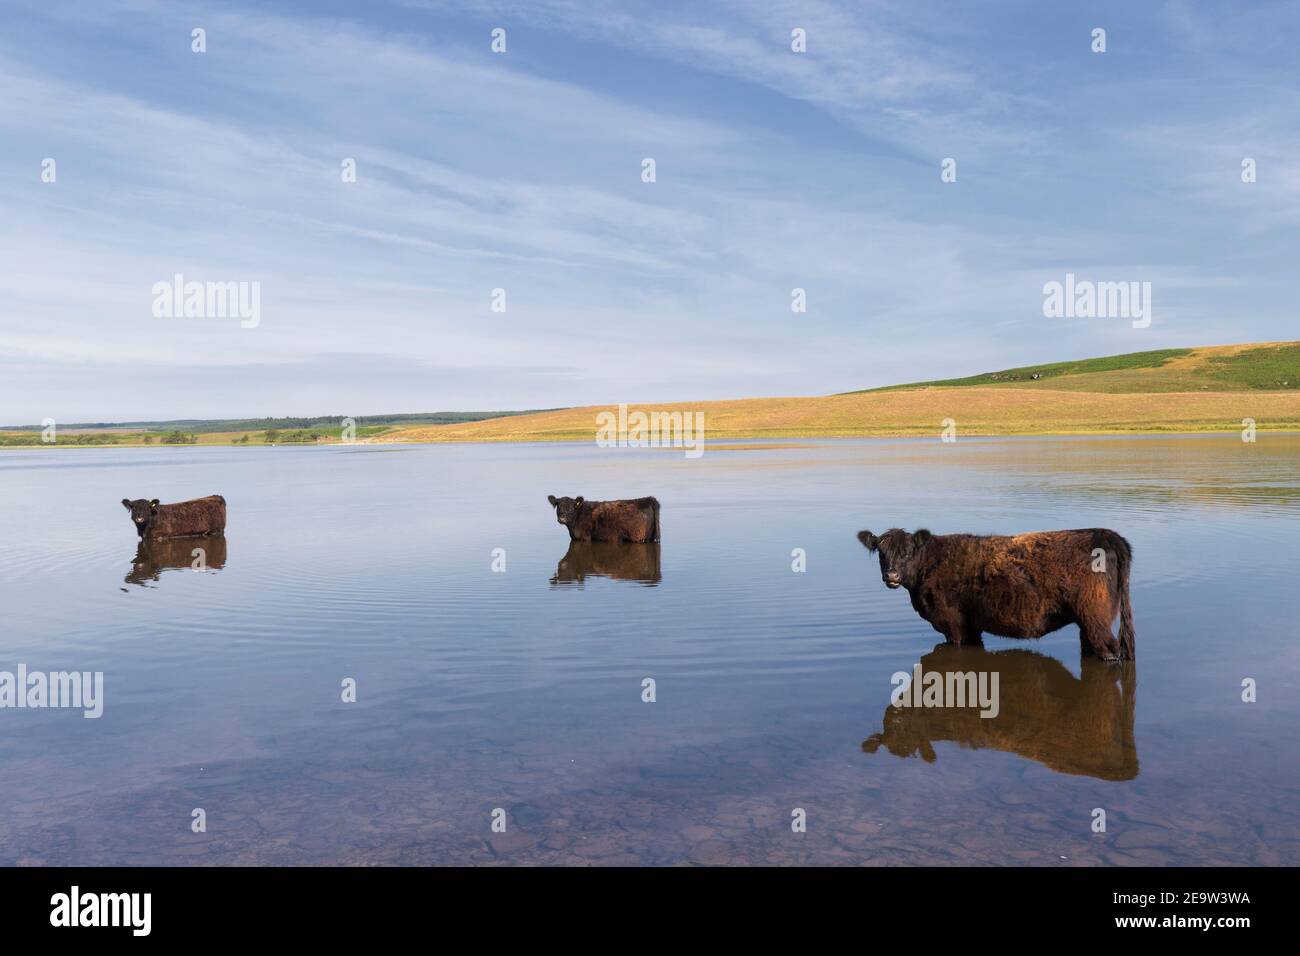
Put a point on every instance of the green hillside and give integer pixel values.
(1224, 368)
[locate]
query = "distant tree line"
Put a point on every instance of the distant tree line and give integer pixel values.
(297, 436)
(64, 438)
(325, 424)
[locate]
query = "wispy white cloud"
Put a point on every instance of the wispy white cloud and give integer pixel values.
(522, 172)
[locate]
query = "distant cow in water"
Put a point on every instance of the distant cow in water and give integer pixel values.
(635, 519)
(202, 516)
(608, 559)
(1021, 586)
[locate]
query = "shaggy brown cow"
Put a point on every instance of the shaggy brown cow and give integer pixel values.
(608, 559)
(1021, 586)
(1080, 726)
(201, 516)
(635, 519)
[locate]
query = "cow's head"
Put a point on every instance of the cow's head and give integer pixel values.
(566, 509)
(900, 555)
(142, 511)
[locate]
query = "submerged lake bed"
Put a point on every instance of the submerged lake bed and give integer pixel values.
(501, 672)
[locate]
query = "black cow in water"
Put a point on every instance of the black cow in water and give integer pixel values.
(1021, 586)
(200, 516)
(632, 519)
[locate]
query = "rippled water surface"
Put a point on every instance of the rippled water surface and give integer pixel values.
(522, 690)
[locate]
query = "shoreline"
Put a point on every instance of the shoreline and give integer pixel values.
(708, 440)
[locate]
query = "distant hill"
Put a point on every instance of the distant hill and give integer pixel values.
(324, 429)
(1269, 366)
(1170, 390)
(1205, 389)
(205, 425)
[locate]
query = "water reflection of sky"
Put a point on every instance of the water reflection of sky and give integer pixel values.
(517, 690)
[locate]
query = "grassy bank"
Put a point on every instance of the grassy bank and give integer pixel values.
(323, 429)
(976, 411)
(82, 437)
(1208, 389)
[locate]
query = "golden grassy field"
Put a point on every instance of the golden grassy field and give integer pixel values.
(1188, 393)
(1204, 389)
(976, 411)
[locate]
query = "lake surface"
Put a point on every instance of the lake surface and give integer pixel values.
(521, 689)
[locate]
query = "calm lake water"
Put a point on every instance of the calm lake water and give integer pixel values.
(522, 690)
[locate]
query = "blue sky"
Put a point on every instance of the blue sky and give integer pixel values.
(522, 171)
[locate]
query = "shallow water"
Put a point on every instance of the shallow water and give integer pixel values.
(522, 689)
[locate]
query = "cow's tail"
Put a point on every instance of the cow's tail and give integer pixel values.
(654, 503)
(1124, 559)
(222, 528)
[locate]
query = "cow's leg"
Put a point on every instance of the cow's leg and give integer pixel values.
(973, 635)
(951, 625)
(1094, 610)
(1094, 634)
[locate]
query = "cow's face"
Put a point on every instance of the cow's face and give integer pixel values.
(900, 555)
(142, 511)
(566, 509)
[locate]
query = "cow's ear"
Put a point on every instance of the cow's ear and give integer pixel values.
(578, 500)
(921, 536)
(126, 503)
(869, 540)
(551, 499)
(154, 504)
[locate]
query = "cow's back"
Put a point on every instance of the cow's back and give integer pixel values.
(630, 519)
(199, 516)
(1018, 585)
(1054, 562)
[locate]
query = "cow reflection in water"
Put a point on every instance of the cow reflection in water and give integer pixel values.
(153, 556)
(1071, 725)
(620, 560)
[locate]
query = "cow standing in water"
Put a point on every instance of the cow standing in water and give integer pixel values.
(1026, 585)
(633, 519)
(201, 516)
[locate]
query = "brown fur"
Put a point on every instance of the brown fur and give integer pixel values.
(633, 519)
(200, 516)
(608, 559)
(1022, 586)
(1080, 726)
